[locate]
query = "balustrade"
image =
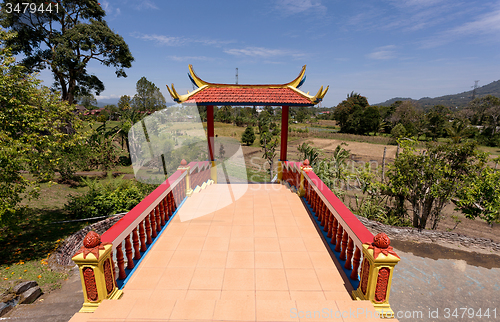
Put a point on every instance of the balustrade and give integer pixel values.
(350, 240)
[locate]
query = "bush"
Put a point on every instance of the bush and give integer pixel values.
(248, 137)
(107, 199)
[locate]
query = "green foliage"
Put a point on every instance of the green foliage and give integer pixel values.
(65, 42)
(399, 131)
(124, 103)
(148, 98)
(356, 116)
(37, 131)
(88, 101)
(436, 121)
(334, 171)
(479, 197)
(248, 137)
(269, 143)
(310, 153)
(429, 180)
(113, 197)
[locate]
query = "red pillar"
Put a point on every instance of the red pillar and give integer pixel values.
(284, 132)
(210, 131)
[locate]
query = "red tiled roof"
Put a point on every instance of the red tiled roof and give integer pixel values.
(248, 96)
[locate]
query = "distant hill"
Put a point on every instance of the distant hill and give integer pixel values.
(110, 101)
(456, 100)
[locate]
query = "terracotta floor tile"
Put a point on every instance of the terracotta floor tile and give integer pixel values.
(184, 258)
(337, 295)
(309, 232)
(237, 295)
(217, 230)
(296, 260)
(262, 212)
(166, 243)
(288, 231)
(207, 279)
(245, 220)
(240, 260)
(114, 309)
(191, 243)
(212, 259)
(241, 244)
(239, 279)
(308, 295)
(311, 310)
(285, 221)
(146, 280)
(264, 221)
(242, 231)
(175, 230)
(330, 279)
(157, 258)
(270, 279)
(322, 260)
(273, 310)
(197, 230)
(265, 231)
(292, 244)
(169, 294)
(268, 260)
(203, 295)
(282, 211)
(272, 295)
(137, 294)
(176, 278)
(216, 243)
(79, 317)
(193, 310)
(314, 244)
(267, 244)
(364, 311)
(235, 310)
(143, 309)
(300, 279)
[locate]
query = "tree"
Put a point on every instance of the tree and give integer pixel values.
(302, 114)
(148, 97)
(248, 137)
(480, 196)
(124, 103)
(269, 143)
(65, 41)
(88, 101)
(355, 115)
(429, 179)
(407, 114)
(34, 136)
(436, 121)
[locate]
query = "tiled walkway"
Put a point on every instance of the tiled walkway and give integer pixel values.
(259, 258)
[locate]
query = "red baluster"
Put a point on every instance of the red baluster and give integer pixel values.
(121, 262)
(142, 236)
(148, 230)
(330, 224)
(338, 245)
(165, 209)
(323, 216)
(355, 264)
(350, 250)
(156, 211)
(152, 221)
(334, 231)
(135, 243)
(128, 252)
(345, 237)
(162, 213)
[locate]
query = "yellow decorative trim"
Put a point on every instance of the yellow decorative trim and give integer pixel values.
(203, 84)
(213, 172)
(280, 171)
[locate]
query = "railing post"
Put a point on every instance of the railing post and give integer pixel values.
(213, 172)
(185, 167)
(376, 274)
(303, 168)
(96, 272)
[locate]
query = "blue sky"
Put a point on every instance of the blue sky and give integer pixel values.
(380, 49)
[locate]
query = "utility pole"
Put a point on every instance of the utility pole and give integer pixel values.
(474, 89)
(236, 75)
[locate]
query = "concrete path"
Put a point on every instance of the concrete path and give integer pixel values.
(425, 289)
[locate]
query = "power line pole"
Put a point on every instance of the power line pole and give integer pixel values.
(236, 75)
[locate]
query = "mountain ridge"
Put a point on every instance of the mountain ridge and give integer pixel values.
(453, 100)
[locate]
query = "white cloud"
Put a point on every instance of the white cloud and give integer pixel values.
(382, 53)
(190, 58)
(486, 24)
(110, 10)
(290, 7)
(146, 4)
(161, 39)
(262, 52)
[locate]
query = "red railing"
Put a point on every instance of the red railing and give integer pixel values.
(136, 231)
(343, 229)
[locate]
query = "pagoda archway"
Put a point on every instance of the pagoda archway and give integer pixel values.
(213, 94)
